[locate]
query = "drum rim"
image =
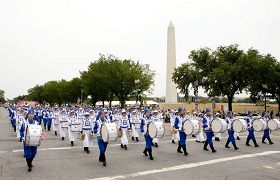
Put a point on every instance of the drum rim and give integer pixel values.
(148, 129)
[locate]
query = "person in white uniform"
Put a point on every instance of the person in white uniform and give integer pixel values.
(87, 133)
(123, 125)
(72, 120)
(200, 136)
(155, 118)
(135, 125)
(63, 119)
(55, 116)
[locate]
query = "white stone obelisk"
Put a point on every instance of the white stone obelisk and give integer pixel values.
(171, 92)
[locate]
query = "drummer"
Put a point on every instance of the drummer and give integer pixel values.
(209, 133)
(101, 144)
(266, 118)
(56, 115)
(87, 133)
(179, 122)
(175, 135)
(29, 151)
(144, 127)
(123, 125)
(229, 120)
(63, 129)
(155, 118)
(236, 134)
(200, 137)
(72, 119)
(251, 135)
(135, 122)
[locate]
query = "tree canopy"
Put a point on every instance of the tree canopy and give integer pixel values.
(229, 70)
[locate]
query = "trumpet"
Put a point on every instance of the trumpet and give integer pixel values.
(173, 130)
(92, 135)
(120, 133)
(82, 136)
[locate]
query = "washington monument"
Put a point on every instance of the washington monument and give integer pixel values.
(171, 92)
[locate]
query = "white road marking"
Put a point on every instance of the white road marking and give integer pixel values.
(110, 145)
(186, 166)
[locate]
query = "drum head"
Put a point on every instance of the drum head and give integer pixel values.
(237, 125)
(216, 125)
(104, 133)
(272, 124)
(152, 130)
(258, 125)
(188, 127)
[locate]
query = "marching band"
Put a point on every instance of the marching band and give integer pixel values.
(107, 125)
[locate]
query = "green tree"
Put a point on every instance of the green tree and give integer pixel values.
(51, 92)
(2, 96)
(36, 93)
(222, 72)
(109, 76)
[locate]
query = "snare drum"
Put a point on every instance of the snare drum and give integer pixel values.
(109, 132)
(75, 127)
(259, 125)
(239, 125)
(218, 125)
(33, 135)
(156, 129)
(64, 124)
(191, 127)
(273, 124)
(137, 125)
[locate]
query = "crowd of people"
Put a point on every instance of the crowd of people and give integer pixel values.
(74, 123)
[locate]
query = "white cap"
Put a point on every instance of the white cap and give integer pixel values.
(123, 111)
(87, 113)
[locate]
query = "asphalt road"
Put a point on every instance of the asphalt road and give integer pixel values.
(56, 159)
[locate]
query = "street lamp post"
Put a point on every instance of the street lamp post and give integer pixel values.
(137, 81)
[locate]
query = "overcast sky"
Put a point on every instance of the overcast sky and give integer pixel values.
(55, 39)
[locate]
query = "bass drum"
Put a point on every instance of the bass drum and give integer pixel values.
(259, 125)
(273, 124)
(239, 125)
(109, 132)
(218, 125)
(33, 135)
(191, 127)
(156, 129)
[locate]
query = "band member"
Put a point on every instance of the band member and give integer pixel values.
(20, 120)
(144, 127)
(63, 119)
(229, 120)
(266, 117)
(175, 135)
(13, 119)
(155, 117)
(218, 135)
(135, 124)
(55, 115)
(73, 120)
(45, 113)
(200, 137)
(251, 135)
(123, 125)
(101, 144)
(179, 121)
(209, 133)
(87, 133)
(29, 151)
(236, 135)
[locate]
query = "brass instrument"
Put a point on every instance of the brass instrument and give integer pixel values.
(120, 133)
(82, 136)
